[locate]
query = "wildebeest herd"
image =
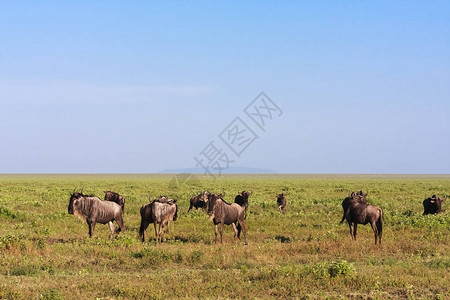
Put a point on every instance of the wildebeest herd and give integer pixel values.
(163, 211)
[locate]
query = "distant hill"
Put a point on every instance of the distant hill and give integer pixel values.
(231, 170)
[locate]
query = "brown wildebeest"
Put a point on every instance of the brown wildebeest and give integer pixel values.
(351, 199)
(242, 200)
(197, 201)
(281, 202)
(359, 212)
(222, 213)
(115, 197)
(159, 212)
(94, 210)
(432, 205)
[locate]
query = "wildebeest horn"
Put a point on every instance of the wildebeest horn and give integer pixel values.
(73, 192)
(81, 191)
(223, 193)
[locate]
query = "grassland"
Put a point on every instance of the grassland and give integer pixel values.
(45, 253)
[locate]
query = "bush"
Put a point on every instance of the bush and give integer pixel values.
(340, 267)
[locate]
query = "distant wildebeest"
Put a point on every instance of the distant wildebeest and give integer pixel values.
(222, 213)
(352, 198)
(242, 200)
(432, 205)
(359, 212)
(281, 202)
(160, 212)
(94, 210)
(197, 201)
(115, 197)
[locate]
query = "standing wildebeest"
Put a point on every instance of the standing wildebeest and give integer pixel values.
(351, 199)
(115, 197)
(197, 201)
(359, 212)
(160, 211)
(94, 210)
(432, 205)
(281, 202)
(222, 213)
(242, 200)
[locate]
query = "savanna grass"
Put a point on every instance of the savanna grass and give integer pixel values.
(305, 253)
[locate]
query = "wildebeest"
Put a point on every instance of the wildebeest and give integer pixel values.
(197, 201)
(115, 197)
(352, 198)
(281, 202)
(94, 210)
(222, 213)
(242, 200)
(159, 212)
(359, 212)
(432, 205)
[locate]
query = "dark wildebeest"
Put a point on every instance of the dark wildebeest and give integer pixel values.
(197, 201)
(94, 210)
(359, 212)
(159, 212)
(281, 202)
(242, 200)
(432, 205)
(115, 197)
(352, 198)
(222, 213)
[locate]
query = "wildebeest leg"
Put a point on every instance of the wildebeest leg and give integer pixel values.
(241, 223)
(350, 225)
(91, 228)
(355, 226)
(190, 207)
(111, 227)
(156, 232)
(221, 232)
(375, 231)
(216, 231)
(160, 232)
(119, 221)
(239, 228)
(235, 230)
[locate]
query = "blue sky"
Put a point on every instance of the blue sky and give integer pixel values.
(143, 86)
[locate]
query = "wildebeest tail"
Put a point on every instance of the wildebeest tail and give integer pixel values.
(144, 225)
(343, 217)
(380, 223)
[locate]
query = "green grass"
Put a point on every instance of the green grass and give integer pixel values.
(45, 253)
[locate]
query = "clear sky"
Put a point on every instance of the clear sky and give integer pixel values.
(124, 86)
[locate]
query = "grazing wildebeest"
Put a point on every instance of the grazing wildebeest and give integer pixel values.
(115, 197)
(197, 201)
(359, 212)
(94, 210)
(352, 198)
(242, 200)
(281, 202)
(432, 205)
(222, 213)
(159, 212)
